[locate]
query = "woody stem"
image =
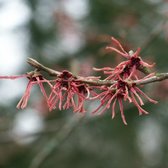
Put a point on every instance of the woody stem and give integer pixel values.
(156, 78)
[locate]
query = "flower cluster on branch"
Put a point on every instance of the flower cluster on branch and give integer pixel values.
(124, 74)
(70, 91)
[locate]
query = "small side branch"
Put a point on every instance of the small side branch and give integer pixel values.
(158, 77)
(39, 66)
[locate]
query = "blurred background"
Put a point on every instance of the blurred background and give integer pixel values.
(72, 35)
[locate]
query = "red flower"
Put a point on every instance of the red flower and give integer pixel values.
(68, 92)
(34, 78)
(118, 92)
(126, 69)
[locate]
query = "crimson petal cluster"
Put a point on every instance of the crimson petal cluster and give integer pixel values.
(124, 89)
(68, 92)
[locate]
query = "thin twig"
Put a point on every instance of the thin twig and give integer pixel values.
(39, 66)
(158, 77)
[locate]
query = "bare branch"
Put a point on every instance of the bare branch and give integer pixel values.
(98, 82)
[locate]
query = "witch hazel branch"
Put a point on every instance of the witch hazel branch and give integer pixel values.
(67, 90)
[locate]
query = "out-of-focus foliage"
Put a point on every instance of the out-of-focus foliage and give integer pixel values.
(72, 34)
